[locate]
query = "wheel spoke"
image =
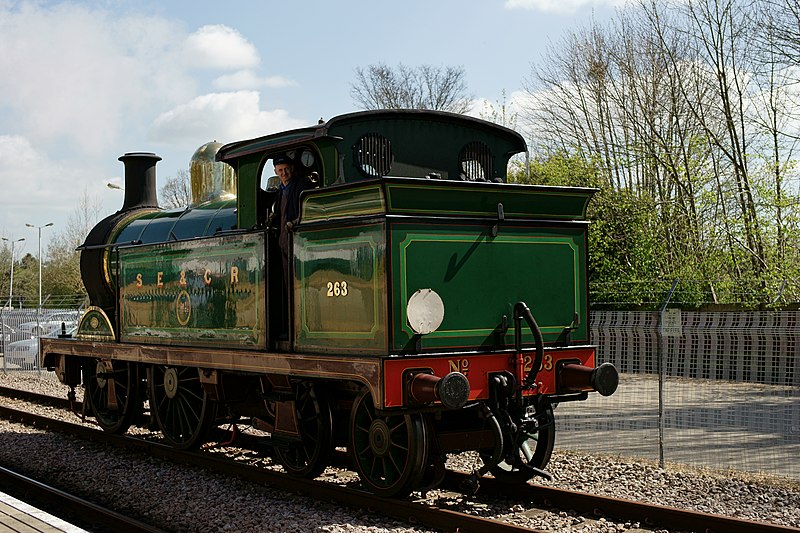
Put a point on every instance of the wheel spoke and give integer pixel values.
(397, 445)
(398, 469)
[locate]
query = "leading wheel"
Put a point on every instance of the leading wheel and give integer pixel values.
(113, 393)
(389, 452)
(529, 450)
(309, 457)
(180, 405)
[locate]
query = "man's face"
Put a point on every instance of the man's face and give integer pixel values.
(284, 172)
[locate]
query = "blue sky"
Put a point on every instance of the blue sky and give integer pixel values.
(84, 82)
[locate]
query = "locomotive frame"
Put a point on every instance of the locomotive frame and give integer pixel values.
(404, 333)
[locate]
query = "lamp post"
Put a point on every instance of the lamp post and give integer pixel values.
(11, 282)
(40, 258)
(111, 185)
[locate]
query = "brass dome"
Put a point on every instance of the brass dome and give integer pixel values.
(211, 180)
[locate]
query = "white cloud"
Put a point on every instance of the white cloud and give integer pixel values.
(220, 47)
(222, 116)
(36, 189)
(561, 7)
(248, 79)
(72, 74)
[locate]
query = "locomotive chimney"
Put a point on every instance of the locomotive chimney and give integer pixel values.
(140, 180)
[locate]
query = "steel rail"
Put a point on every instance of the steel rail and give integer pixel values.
(38, 397)
(618, 509)
(76, 510)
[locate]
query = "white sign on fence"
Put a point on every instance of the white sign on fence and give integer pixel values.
(671, 323)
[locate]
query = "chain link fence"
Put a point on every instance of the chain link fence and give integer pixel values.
(21, 329)
(711, 389)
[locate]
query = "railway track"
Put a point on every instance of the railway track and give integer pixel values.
(78, 511)
(591, 506)
(38, 398)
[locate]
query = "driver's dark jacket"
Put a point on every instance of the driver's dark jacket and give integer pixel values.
(287, 205)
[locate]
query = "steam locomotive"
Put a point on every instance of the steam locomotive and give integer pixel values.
(431, 307)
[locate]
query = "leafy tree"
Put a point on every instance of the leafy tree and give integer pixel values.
(424, 87)
(23, 283)
(26, 278)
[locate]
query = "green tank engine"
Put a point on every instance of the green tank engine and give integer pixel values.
(432, 307)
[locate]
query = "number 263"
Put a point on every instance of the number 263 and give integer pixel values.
(337, 288)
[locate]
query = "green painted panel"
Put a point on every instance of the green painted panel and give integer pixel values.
(204, 292)
(480, 278)
(344, 202)
(420, 197)
(481, 199)
(247, 186)
(340, 300)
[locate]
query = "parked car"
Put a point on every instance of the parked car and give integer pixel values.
(24, 354)
(50, 323)
(10, 334)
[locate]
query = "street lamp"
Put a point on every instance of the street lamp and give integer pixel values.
(11, 282)
(40, 258)
(114, 186)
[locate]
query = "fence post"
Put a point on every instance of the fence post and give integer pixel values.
(661, 371)
(5, 344)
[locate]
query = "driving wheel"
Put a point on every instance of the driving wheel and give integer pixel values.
(389, 452)
(309, 457)
(113, 392)
(182, 408)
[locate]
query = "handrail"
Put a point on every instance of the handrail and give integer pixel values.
(521, 311)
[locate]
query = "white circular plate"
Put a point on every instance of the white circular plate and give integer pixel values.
(425, 311)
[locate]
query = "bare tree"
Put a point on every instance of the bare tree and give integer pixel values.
(61, 273)
(782, 21)
(776, 107)
(691, 107)
(424, 87)
(719, 32)
(177, 191)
